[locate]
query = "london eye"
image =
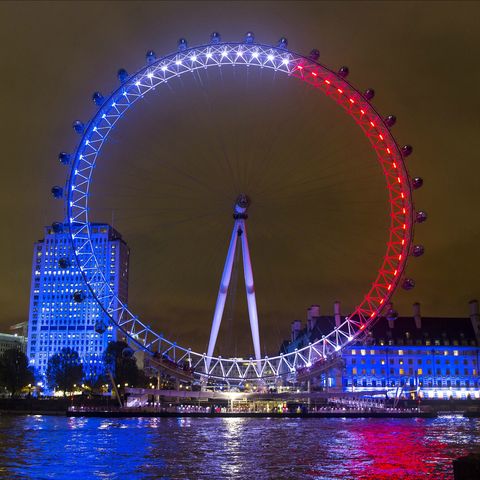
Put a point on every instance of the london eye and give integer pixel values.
(158, 74)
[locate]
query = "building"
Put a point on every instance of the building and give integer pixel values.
(56, 321)
(8, 341)
(433, 357)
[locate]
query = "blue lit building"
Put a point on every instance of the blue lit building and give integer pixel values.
(433, 357)
(56, 321)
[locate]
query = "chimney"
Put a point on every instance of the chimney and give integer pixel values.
(336, 312)
(296, 328)
(313, 313)
(475, 318)
(416, 315)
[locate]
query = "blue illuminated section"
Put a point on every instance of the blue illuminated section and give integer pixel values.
(56, 320)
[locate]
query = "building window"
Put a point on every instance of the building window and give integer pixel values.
(419, 371)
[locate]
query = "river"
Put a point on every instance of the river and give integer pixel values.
(47, 447)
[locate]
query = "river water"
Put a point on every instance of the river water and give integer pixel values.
(44, 447)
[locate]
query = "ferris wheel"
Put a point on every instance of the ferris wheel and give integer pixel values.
(160, 72)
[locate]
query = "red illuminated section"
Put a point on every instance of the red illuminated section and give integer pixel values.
(397, 184)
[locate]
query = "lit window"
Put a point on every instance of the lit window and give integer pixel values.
(400, 352)
(363, 352)
(419, 371)
(455, 353)
(401, 371)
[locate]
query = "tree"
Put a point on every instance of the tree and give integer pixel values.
(64, 370)
(14, 370)
(119, 360)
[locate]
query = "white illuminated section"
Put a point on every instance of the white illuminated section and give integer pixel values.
(239, 233)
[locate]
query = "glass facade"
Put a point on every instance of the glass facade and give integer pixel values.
(56, 320)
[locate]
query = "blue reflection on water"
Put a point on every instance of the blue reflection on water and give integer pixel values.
(194, 448)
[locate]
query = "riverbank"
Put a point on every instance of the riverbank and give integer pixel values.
(130, 413)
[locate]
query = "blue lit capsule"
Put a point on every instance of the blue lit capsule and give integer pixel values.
(127, 352)
(215, 38)
(57, 227)
(79, 296)
(57, 191)
(418, 250)
(182, 45)
(390, 121)
(417, 182)
(64, 158)
(122, 75)
(63, 263)
(314, 54)
(421, 216)
(98, 99)
(100, 326)
(407, 150)
(369, 93)
(150, 56)
(408, 284)
(249, 37)
(282, 43)
(391, 315)
(78, 126)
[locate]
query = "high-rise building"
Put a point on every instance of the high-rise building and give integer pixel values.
(56, 321)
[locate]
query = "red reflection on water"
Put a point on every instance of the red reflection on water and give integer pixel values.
(397, 451)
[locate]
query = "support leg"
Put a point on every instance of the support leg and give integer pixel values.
(251, 301)
(222, 294)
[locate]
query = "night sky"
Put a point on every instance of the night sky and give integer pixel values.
(170, 172)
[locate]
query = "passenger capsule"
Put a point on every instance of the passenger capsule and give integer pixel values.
(408, 284)
(122, 75)
(314, 55)
(369, 93)
(100, 327)
(57, 227)
(417, 182)
(249, 37)
(57, 191)
(407, 150)
(127, 352)
(64, 158)
(418, 250)
(78, 126)
(215, 38)
(282, 43)
(182, 45)
(343, 72)
(79, 296)
(391, 315)
(98, 99)
(421, 216)
(150, 57)
(63, 263)
(390, 121)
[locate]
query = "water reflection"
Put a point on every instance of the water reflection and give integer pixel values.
(58, 447)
